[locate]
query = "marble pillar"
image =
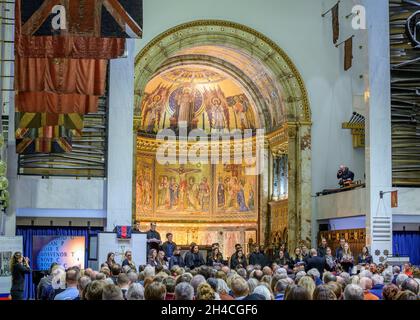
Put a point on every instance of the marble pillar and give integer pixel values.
(264, 231)
(120, 144)
(299, 184)
(292, 235)
(378, 131)
(304, 183)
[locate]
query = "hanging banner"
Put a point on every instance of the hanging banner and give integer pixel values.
(32, 120)
(394, 199)
(82, 76)
(46, 102)
(91, 18)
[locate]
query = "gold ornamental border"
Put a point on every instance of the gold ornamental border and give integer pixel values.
(156, 42)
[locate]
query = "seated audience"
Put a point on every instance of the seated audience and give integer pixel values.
(366, 284)
(353, 292)
(155, 291)
(112, 292)
(184, 291)
(135, 292)
(390, 291)
(298, 293)
(323, 292)
(71, 292)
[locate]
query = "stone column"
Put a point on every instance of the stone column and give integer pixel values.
(293, 179)
(281, 176)
(275, 178)
(378, 131)
(120, 144)
(264, 198)
(286, 175)
(304, 183)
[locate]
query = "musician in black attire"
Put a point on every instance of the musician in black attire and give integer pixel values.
(284, 249)
(176, 259)
(153, 238)
(19, 267)
(322, 249)
(215, 258)
(257, 257)
(282, 260)
(364, 257)
(238, 260)
(193, 258)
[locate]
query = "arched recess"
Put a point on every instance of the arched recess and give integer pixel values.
(288, 105)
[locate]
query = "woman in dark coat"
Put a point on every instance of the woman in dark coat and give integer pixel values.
(216, 258)
(238, 260)
(19, 267)
(364, 257)
(193, 258)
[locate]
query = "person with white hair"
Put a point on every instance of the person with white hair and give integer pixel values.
(315, 275)
(410, 285)
(281, 271)
(396, 270)
(133, 277)
(223, 290)
(378, 285)
(252, 284)
(263, 291)
(240, 288)
(353, 292)
(366, 284)
(346, 277)
(365, 274)
(387, 275)
(280, 289)
(400, 279)
(135, 292)
(184, 291)
(196, 281)
(299, 275)
(149, 272)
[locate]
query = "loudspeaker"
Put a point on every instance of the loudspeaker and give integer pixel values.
(324, 227)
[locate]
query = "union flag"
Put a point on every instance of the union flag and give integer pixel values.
(94, 18)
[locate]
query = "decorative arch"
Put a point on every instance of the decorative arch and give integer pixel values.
(289, 108)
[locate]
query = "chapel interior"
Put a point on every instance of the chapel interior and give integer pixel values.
(303, 100)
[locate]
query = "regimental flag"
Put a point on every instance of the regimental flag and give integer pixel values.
(348, 53)
(47, 102)
(88, 18)
(69, 47)
(81, 76)
(335, 22)
(43, 140)
(33, 120)
(123, 232)
(394, 199)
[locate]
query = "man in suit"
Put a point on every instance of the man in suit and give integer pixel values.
(315, 262)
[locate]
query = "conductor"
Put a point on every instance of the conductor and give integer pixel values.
(153, 238)
(345, 176)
